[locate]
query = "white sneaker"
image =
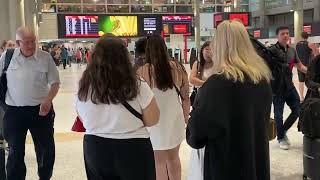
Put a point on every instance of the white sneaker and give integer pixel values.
(287, 139)
(284, 144)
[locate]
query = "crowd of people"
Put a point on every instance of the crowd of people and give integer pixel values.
(135, 116)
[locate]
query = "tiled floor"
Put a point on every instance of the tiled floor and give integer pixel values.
(285, 165)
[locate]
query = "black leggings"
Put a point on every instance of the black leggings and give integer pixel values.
(118, 159)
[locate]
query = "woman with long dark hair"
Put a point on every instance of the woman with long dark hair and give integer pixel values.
(168, 80)
(202, 69)
(116, 144)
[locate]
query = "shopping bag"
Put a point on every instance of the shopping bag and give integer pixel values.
(78, 126)
(196, 164)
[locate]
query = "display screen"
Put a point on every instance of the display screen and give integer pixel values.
(124, 26)
(81, 26)
(243, 17)
(307, 29)
(149, 25)
(257, 33)
(177, 25)
(218, 18)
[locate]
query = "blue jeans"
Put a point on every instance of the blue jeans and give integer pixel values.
(293, 101)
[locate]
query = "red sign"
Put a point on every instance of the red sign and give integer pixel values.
(257, 33)
(307, 29)
(180, 28)
(176, 18)
(218, 18)
(243, 17)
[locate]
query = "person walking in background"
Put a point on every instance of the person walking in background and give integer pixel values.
(116, 144)
(64, 56)
(70, 56)
(168, 80)
(79, 56)
(306, 52)
(140, 52)
(227, 117)
(55, 54)
(33, 82)
(6, 45)
(284, 90)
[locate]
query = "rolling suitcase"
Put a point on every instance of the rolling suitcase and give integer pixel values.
(311, 158)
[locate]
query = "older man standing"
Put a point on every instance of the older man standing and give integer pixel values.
(33, 82)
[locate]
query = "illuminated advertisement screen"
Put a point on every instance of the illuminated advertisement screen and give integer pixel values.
(149, 25)
(123, 26)
(243, 17)
(307, 29)
(177, 25)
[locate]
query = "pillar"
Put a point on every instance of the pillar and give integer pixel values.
(197, 24)
(4, 20)
(263, 17)
(16, 14)
(236, 6)
(316, 11)
(298, 20)
(30, 14)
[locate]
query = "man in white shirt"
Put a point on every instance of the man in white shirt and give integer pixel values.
(33, 82)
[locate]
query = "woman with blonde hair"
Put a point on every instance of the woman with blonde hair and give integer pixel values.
(232, 110)
(168, 80)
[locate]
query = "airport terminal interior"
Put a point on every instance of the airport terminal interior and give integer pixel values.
(75, 26)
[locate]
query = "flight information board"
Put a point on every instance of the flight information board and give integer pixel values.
(81, 26)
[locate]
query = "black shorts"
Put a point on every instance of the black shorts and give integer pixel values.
(118, 159)
(301, 76)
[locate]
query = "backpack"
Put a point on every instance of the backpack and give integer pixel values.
(309, 119)
(278, 69)
(3, 78)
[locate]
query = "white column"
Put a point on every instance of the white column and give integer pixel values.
(197, 24)
(263, 17)
(298, 20)
(316, 10)
(4, 16)
(16, 14)
(30, 13)
(236, 6)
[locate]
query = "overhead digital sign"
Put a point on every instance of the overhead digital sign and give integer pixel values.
(149, 24)
(123, 26)
(244, 17)
(81, 26)
(177, 25)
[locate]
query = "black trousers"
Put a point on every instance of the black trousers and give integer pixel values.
(64, 61)
(118, 159)
(17, 121)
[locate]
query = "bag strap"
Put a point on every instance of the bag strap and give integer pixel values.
(178, 91)
(132, 110)
(8, 58)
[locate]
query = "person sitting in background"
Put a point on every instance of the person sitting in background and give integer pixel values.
(140, 52)
(116, 144)
(228, 117)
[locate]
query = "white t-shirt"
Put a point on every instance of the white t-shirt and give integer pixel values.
(114, 121)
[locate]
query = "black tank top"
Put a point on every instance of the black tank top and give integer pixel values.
(304, 52)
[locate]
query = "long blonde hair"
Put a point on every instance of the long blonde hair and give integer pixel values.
(234, 55)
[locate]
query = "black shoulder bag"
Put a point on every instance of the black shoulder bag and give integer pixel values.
(3, 78)
(132, 110)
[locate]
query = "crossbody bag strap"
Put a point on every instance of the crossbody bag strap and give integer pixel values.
(8, 58)
(132, 110)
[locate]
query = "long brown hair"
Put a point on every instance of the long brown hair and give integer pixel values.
(158, 58)
(109, 77)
